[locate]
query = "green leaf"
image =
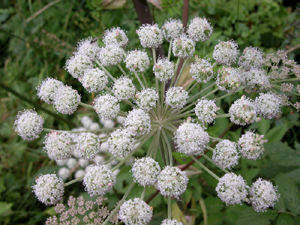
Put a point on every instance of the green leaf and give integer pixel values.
(263, 126)
(250, 217)
(276, 133)
(213, 205)
(289, 192)
(4, 207)
(215, 219)
(284, 219)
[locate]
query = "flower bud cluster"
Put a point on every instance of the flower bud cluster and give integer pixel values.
(89, 48)
(206, 110)
(172, 29)
(66, 100)
(225, 154)
(172, 181)
(146, 99)
(88, 145)
(78, 64)
(28, 124)
(163, 69)
(171, 222)
(229, 79)
(268, 105)
(201, 70)
(115, 36)
(199, 29)
(252, 58)
(48, 189)
(123, 88)
(121, 142)
(243, 111)
(106, 106)
(111, 55)
(226, 52)
(191, 139)
(176, 97)
(150, 36)
(94, 80)
(183, 47)
(145, 171)
(138, 121)
(256, 80)
(46, 91)
(99, 180)
(251, 145)
(137, 61)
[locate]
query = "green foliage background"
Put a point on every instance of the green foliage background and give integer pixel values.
(36, 46)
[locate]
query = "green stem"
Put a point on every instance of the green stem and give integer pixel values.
(86, 105)
(181, 70)
(168, 147)
(139, 80)
(211, 161)
(209, 93)
(119, 204)
(175, 70)
(204, 167)
(120, 67)
(144, 79)
(73, 181)
(75, 132)
(107, 73)
(143, 193)
(223, 96)
(223, 115)
(215, 138)
(196, 95)
(169, 208)
(194, 83)
(170, 50)
(286, 80)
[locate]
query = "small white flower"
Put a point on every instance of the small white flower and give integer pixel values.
(172, 29)
(108, 124)
(172, 182)
(183, 47)
(88, 145)
(66, 100)
(111, 55)
(232, 189)
(251, 145)
(86, 122)
(79, 173)
(58, 145)
(121, 143)
(94, 80)
(85, 47)
(78, 64)
(49, 189)
(206, 110)
(145, 171)
(243, 111)
(146, 99)
(191, 139)
(201, 70)
(64, 173)
(150, 36)
(252, 58)
(137, 61)
(225, 154)
(263, 195)
(28, 124)
(99, 180)
(83, 162)
(138, 121)
(226, 52)
(71, 163)
(199, 29)
(170, 222)
(47, 89)
(256, 80)
(164, 69)
(115, 36)
(106, 106)
(135, 212)
(99, 159)
(176, 97)
(123, 88)
(268, 105)
(230, 79)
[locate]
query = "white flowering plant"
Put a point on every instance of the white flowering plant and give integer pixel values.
(174, 120)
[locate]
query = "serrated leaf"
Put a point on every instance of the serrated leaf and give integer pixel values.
(294, 174)
(250, 217)
(276, 133)
(213, 205)
(284, 219)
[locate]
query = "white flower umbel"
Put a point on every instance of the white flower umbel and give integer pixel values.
(94, 80)
(121, 143)
(123, 88)
(137, 61)
(86, 122)
(170, 222)
(111, 55)
(106, 106)
(89, 48)
(163, 69)
(99, 180)
(251, 145)
(225, 154)
(83, 162)
(232, 189)
(226, 53)
(71, 163)
(172, 181)
(47, 89)
(256, 80)
(66, 100)
(172, 29)
(201, 70)
(183, 47)
(49, 189)
(206, 110)
(138, 121)
(268, 105)
(191, 139)
(146, 99)
(78, 64)
(64, 173)
(176, 97)
(252, 58)
(263, 195)
(135, 212)
(145, 171)
(243, 111)
(28, 124)
(115, 35)
(150, 36)
(58, 145)
(199, 29)
(229, 79)
(79, 173)
(88, 145)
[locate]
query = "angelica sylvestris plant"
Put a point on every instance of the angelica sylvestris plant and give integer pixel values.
(164, 113)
